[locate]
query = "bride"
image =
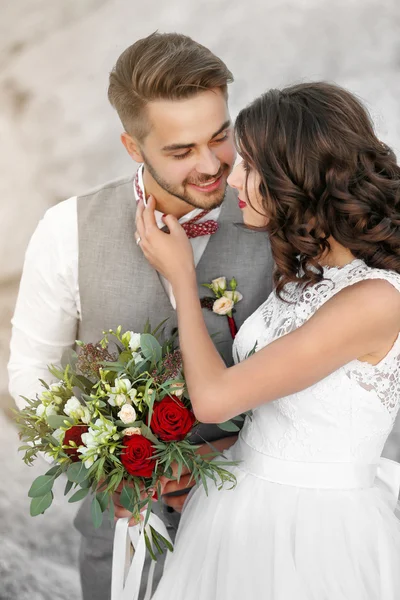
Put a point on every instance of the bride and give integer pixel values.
(312, 515)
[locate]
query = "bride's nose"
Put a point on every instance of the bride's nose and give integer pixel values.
(236, 179)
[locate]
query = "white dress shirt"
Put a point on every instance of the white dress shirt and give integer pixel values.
(48, 305)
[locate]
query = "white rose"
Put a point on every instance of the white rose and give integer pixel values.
(127, 414)
(132, 431)
(223, 306)
(219, 284)
(233, 295)
(134, 342)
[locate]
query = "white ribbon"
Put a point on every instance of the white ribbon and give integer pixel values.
(126, 571)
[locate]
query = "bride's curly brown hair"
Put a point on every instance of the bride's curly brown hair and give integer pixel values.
(323, 173)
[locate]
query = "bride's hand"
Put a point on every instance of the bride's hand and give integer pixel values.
(171, 254)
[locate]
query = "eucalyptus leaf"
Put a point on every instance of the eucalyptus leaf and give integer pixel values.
(86, 484)
(103, 498)
(41, 486)
(128, 498)
(54, 471)
(57, 421)
(77, 472)
(39, 505)
(150, 347)
(111, 509)
(68, 487)
(229, 426)
(97, 515)
(79, 495)
(125, 357)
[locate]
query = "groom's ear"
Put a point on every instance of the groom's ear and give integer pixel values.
(132, 147)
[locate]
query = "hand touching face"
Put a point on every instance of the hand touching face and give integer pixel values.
(170, 253)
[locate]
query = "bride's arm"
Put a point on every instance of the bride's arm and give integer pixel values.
(360, 320)
(363, 319)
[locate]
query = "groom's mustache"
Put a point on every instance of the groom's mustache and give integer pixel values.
(205, 178)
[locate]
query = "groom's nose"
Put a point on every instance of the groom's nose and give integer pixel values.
(208, 163)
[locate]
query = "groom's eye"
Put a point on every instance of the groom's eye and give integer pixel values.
(223, 138)
(180, 156)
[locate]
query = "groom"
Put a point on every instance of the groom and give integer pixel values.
(83, 271)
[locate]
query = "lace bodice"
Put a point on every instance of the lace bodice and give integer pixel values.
(347, 416)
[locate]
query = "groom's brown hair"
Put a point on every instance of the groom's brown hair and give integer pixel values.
(168, 66)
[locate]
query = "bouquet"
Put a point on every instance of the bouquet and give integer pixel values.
(119, 415)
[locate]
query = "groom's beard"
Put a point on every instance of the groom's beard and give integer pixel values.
(209, 201)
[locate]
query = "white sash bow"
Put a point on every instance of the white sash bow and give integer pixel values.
(127, 571)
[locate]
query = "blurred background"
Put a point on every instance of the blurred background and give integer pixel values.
(59, 137)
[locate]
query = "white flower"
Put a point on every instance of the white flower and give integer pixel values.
(219, 284)
(177, 389)
(57, 387)
(59, 434)
(122, 393)
(233, 295)
(73, 408)
(127, 414)
(40, 410)
(137, 356)
(88, 456)
(99, 434)
(223, 306)
(46, 411)
(134, 341)
(132, 431)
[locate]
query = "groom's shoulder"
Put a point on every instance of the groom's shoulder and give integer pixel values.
(108, 188)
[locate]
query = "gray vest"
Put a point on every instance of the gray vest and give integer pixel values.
(119, 287)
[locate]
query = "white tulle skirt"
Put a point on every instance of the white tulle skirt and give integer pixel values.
(271, 541)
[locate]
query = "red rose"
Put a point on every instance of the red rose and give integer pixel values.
(136, 456)
(171, 420)
(74, 434)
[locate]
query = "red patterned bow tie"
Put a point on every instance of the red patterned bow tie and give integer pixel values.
(192, 228)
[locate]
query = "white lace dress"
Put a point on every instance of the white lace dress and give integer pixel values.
(309, 518)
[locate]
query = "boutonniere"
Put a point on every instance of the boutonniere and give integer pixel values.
(225, 300)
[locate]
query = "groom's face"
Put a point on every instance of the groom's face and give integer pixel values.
(189, 150)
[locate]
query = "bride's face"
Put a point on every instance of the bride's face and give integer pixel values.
(250, 201)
